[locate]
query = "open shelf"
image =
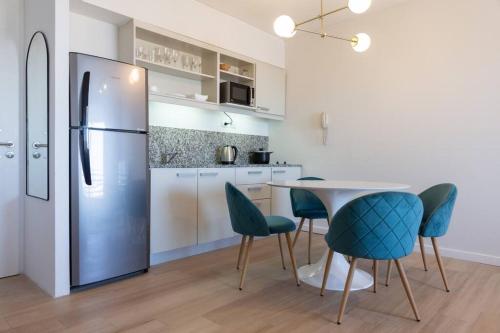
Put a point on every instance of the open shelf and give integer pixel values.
(230, 75)
(173, 99)
(171, 70)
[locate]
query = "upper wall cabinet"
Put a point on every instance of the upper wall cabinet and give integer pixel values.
(271, 89)
(189, 72)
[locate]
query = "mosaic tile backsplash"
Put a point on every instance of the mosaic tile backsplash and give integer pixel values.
(176, 148)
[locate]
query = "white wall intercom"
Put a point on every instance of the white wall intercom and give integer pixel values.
(324, 126)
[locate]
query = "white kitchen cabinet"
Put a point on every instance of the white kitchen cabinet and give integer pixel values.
(270, 91)
(256, 191)
(257, 175)
(213, 215)
(280, 204)
(173, 209)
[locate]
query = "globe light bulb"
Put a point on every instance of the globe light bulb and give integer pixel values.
(284, 26)
(361, 42)
(359, 6)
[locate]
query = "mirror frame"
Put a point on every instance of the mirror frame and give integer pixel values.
(48, 115)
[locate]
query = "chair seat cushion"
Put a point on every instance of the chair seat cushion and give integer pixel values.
(312, 213)
(279, 224)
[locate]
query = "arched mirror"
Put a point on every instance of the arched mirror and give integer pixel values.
(37, 117)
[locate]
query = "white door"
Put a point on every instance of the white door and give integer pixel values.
(213, 215)
(173, 209)
(11, 58)
(270, 91)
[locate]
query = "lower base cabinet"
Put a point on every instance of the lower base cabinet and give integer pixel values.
(213, 214)
(189, 207)
(173, 209)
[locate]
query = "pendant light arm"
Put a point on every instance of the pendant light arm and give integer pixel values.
(319, 17)
(326, 35)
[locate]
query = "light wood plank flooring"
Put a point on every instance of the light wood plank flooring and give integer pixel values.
(200, 294)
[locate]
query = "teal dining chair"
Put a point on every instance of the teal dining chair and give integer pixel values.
(380, 226)
(306, 205)
(438, 201)
(248, 221)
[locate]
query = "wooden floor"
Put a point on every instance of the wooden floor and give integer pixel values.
(200, 294)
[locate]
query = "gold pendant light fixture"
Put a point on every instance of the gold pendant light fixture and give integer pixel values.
(285, 26)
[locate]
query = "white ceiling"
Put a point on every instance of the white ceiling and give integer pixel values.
(261, 13)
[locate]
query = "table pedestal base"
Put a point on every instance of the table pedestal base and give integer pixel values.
(313, 274)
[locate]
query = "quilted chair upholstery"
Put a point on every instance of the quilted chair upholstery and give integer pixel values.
(247, 220)
(438, 201)
(379, 226)
(306, 204)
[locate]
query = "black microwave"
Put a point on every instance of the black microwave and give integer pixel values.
(236, 93)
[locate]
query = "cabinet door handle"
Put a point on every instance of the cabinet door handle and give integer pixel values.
(263, 108)
(255, 189)
(185, 175)
(279, 171)
(209, 174)
(255, 172)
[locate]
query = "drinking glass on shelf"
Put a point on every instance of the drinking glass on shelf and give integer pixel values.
(156, 56)
(168, 56)
(185, 61)
(139, 52)
(175, 56)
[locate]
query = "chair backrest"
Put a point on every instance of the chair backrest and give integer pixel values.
(246, 218)
(438, 201)
(378, 226)
(305, 200)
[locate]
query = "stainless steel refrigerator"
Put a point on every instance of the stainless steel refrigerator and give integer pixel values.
(109, 172)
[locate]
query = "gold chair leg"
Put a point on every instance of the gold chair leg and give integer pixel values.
(242, 247)
(389, 269)
(245, 261)
(440, 263)
(375, 273)
(281, 252)
(310, 241)
(327, 271)
(406, 285)
(347, 289)
(422, 251)
(292, 258)
(298, 231)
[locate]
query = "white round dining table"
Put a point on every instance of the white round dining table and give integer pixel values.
(334, 194)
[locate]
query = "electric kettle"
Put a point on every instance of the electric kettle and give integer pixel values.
(228, 154)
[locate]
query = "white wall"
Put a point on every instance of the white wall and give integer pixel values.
(198, 21)
(46, 222)
(168, 115)
(420, 107)
(91, 36)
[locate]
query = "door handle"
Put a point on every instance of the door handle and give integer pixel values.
(263, 108)
(185, 175)
(8, 144)
(279, 171)
(209, 174)
(255, 189)
(37, 145)
(255, 172)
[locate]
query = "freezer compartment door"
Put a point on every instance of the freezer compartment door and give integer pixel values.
(109, 205)
(107, 94)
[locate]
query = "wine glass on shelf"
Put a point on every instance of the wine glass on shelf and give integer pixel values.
(185, 61)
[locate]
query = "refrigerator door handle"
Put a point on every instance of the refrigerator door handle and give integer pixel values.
(84, 98)
(85, 155)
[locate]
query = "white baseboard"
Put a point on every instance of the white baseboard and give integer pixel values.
(445, 251)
